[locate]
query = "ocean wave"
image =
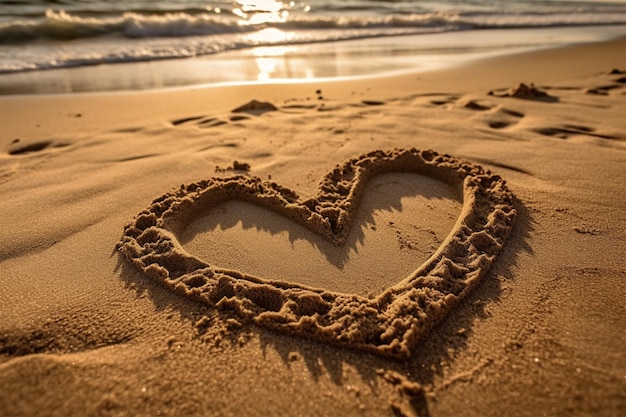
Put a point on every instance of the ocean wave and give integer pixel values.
(65, 26)
(131, 37)
(40, 57)
(60, 25)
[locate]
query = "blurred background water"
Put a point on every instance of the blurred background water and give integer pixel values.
(49, 35)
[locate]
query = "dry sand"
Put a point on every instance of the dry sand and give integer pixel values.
(435, 244)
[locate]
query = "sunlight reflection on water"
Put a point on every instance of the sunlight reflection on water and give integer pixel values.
(257, 12)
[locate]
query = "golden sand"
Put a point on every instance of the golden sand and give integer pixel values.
(409, 245)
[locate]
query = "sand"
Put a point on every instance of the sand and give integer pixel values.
(431, 244)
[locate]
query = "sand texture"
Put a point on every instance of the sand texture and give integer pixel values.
(435, 244)
(390, 323)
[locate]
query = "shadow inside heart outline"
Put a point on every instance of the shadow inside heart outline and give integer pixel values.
(390, 324)
(401, 219)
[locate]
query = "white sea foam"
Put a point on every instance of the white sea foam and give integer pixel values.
(60, 25)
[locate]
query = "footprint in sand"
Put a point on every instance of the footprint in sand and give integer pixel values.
(238, 118)
(493, 115)
(299, 107)
(241, 113)
(566, 131)
(255, 108)
(390, 323)
(605, 90)
(200, 121)
(474, 105)
(621, 80)
(29, 148)
(186, 120)
(211, 122)
(502, 118)
(19, 148)
(373, 102)
(445, 101)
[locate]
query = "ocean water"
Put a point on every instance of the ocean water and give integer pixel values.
(37, 35)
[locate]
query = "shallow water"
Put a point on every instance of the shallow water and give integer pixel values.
(301, 63)
(37, 35)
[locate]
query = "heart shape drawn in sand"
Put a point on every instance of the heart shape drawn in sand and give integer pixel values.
(390, 324)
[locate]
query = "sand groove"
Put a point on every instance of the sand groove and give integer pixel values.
(390, 324)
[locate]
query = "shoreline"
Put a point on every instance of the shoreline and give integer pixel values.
(84, 332)
(123, 108)
(343, 60)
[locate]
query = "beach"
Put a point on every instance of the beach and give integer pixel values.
(435, 243)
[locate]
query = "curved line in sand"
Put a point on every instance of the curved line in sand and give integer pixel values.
(390, 324)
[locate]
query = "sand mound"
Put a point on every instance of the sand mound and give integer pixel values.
(526, 92)
(389, 324)
(255, 107)
(236, 166)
